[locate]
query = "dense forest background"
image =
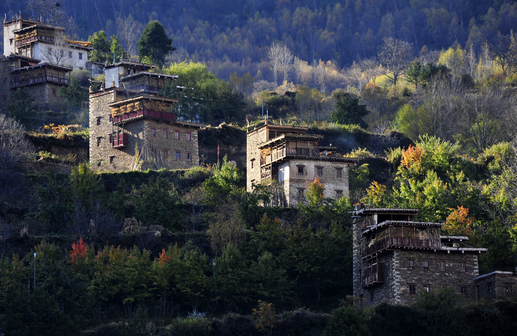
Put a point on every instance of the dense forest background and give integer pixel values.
(234, 36)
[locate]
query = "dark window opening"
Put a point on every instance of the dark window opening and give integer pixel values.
(111, 159)
(319, 171)
(189, 157)
(339, 172)
(442, 266)
(462, 266)
(410, 264)
(178, 155)
(300, 170)
(412, 289)
(98, 121)
(425, 264)
(463, 290)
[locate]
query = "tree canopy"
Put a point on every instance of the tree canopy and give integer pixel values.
(154, 44)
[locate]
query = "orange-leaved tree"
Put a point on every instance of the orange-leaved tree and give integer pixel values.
(78, 252)
(459, 223)
(315, 192)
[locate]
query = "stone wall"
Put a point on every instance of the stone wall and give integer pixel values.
(4, 83)
(147, 147)
(496, 285)
(399, 277)
(254, 139)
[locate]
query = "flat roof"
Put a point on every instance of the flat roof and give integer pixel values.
(150, 74)
(142, 97)
(285, 136)
(38, 25)
(23, 57)
(493, 273)
(296, 129)
(43, 65)
(150, 66)
(460, 238)
(385, 210)
(401, 223)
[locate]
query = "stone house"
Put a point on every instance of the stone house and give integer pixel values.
(396, 258)
(293, 158)
(496, 285)
(131, 127)
(42, 80)
(43, 42)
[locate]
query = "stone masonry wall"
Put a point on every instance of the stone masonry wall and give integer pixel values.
(253, 140)
(144, 150)
(333, 184)
(496, 285)
(163, 149)
(100, 147)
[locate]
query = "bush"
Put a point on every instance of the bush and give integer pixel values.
(346, 321)
(301, 322)
(196, 326)
(235, 325)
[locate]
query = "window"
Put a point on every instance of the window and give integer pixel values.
(80, 56)
(441, 264)
(165, 154)
(489, 287)
(111, 139)
(176, 134)
(189, 157)
(165, 133)
(410, 263)
(69, 54)
(300, 170)
(425, 264)
(300, 191)
(111, 118)
(153, 132)
(339, 172)
(371, 296)
(187, 136)
(252, 163)
(99, 141)
(508, 289)
(412, 288)
(111, 159)
(319, 171)
(178, 155)
(463, 290)
(98, 121)
(462, 266)
(11, 41)
(339, 193)
(427, 287)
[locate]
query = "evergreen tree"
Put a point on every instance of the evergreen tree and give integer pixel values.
(154, 43)
(348, 110)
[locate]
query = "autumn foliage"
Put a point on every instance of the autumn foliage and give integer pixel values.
(458, 222)
(412, 157)
(78, 251)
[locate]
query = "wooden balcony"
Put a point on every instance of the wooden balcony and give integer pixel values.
(121, 140)
(138, 114)
(373, 275)
(404, 243)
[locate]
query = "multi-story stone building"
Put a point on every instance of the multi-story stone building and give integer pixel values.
(45, 43)
(395, 258)
(293, 158)
(131, 127)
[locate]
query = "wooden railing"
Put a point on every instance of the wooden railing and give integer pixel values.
(167, 116)
(401, 243)
(373, 275)
(24, 41)
(16, 82)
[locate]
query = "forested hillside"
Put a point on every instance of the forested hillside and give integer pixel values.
(235, 35)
